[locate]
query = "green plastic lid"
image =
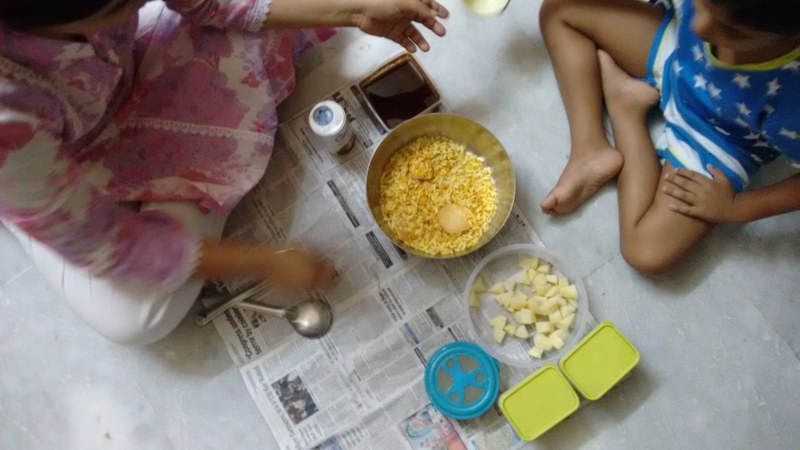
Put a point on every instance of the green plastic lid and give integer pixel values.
(599, 361)
(539, 402)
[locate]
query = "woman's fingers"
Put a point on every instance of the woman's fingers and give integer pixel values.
(416, 38)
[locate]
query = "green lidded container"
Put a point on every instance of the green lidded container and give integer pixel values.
(539, 402)
(599, 361)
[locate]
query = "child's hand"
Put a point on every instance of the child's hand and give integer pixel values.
(394, 19)
(709, 199)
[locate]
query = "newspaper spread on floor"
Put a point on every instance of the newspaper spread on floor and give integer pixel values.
(361, 385)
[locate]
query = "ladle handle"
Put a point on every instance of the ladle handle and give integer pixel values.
(254, 290)
(258, 307)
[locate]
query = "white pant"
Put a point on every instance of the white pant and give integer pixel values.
(120, 313)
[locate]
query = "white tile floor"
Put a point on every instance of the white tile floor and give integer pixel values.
(719, 338)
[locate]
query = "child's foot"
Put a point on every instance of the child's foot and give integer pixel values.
(623, 93)
(582, 177)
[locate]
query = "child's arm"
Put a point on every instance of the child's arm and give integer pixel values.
(714, 199)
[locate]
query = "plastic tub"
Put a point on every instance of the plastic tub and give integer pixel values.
(500, 265)
(599, 361)
(539, 402)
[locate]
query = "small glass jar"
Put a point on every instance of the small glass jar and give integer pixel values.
(328, 120)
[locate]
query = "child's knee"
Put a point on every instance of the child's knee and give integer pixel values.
(550, 10)
(646, 257)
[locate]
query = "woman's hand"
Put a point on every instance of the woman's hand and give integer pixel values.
(710, 199)
(303, 270)
(394, 19)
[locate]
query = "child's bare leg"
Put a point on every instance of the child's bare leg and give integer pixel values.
(573, 31)
(653, 238)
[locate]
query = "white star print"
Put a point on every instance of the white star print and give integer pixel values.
(676, 67)
(698, 53)
(789, 133)
(794, 66)
(714, 91)
(769, 109)
(761, 143)
(700, 81)
(753, 136)
(743, 81)
(743, 109)
(722, 131)
(772, 87)
(756, 158)
(742, 122)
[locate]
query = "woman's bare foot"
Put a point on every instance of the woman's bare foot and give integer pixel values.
(585, 173)
(623, 93)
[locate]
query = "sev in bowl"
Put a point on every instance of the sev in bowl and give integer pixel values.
(428, 174)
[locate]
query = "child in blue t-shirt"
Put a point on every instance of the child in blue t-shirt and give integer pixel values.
(727, 76)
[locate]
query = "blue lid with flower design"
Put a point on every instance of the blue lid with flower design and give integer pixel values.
(462, 380)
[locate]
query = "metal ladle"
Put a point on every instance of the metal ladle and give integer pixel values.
(311, 318)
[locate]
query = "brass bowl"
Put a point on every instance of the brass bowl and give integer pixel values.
(478, 141)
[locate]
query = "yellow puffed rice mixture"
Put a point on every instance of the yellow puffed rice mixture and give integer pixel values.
(427, 174)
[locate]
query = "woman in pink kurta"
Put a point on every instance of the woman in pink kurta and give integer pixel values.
(113, 103)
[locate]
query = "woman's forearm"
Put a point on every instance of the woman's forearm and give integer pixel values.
(779, 198)
(288, 267)
(313, 13)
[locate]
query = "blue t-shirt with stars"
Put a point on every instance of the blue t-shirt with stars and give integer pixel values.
(736, 118)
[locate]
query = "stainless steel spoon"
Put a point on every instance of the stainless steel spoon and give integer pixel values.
(311, 318)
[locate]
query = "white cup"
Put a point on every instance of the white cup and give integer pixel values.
(487, 7)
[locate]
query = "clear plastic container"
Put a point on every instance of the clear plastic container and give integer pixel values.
(499, 266)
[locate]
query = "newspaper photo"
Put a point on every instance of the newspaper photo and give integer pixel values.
(360, 385)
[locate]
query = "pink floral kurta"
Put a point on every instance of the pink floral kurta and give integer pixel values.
(168, 106)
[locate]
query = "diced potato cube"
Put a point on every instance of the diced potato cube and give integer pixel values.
(509, 284)
(544, 327)
(510, 328)
(522, 332)
(479, 286)
(474, 300)
(524, 316)
(519, 300)
(532, 273)
(543, 289)
(536, 352)
(566, 322)
(497, 288)
(543, 342)
(505, 299)
(524, 279)
(540, 279)
(529, 263)
(498, 321)
(561, 334)
(552, 279)
(563, 281)
(552, 292)
(498, 334)
(567, 310)
(544, 268)
(558, 300)
(556, 341)
(547, 307)
(555, 317)
(569, 292)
